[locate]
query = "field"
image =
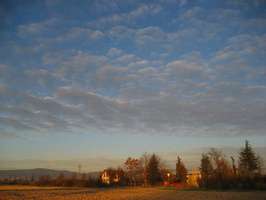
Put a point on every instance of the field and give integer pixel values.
(45, 193)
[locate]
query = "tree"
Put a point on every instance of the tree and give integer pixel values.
(144, 161)
(60, 179)
(260, 164)
(222, 172)
(44, 180)
(153, 171)
(215, 169)
(248, 161)
(133, 167)
(181, 171)
(206, 169)
(215, 157)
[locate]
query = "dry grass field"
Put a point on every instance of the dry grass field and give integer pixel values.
(45, 193)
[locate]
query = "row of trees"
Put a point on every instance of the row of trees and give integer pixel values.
(146, 170)
(217, 172)
(61, 180)
(73, 181)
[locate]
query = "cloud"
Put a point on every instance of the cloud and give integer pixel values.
(185, 96)
(177, 97)
(204, 115)
(35, 114)
(69, 65)
(242, 54)
(37, 28)
(3, 67)
(76, 33)
(128, 17)
(109, 74)
(106, 112)
(114, 52)
(15, 124)
(134, 67)
(184, 69)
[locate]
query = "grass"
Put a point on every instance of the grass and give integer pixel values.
(156, 193)
(24, 187)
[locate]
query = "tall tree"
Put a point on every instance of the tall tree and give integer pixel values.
(206, 169)
(260, 164)
(248, 161)
(144, 160)
(181, 171)
(153, 171)
(222, 171)
(132, 166)
(215, 169)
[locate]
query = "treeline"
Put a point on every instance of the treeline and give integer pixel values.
(61, 180)
(143, 171)
(216, 171)
(146, 170)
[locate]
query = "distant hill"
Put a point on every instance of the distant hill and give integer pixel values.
(36, 173)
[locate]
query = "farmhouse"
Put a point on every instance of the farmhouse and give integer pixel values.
(193, 177)
(109, 176)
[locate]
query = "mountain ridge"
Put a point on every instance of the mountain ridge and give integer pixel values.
(38, 172)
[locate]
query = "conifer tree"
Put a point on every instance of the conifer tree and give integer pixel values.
(206, 169)
(153, 171)
(248, 161)
(181, 171)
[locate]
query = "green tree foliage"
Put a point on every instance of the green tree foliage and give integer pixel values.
(248, 161)
(206, 169)
(153, 170)
(181, 171)
(216, 171)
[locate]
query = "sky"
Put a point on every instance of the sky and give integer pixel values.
(93, 82)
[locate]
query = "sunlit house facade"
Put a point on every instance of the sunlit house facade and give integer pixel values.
(193, 178)
(109, 177)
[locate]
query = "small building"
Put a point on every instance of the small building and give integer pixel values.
(110, 176)
(193, 178)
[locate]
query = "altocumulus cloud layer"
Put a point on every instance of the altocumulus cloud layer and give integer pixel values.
(155, 67)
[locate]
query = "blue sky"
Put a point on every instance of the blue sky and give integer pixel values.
(81, 80)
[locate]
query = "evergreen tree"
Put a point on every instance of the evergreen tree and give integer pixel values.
(248, 161)
(153, 171)
(206, 169)
(181, 171)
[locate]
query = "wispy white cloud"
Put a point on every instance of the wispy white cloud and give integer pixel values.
(143, 68)
(129, 17)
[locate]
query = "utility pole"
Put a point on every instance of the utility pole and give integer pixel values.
(233, 165)
(79, 170)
